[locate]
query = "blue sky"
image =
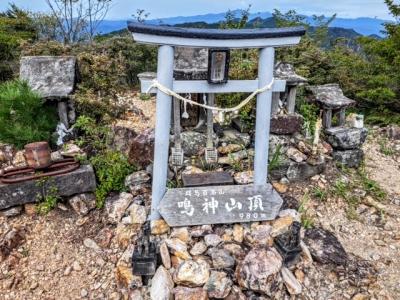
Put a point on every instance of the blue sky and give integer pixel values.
(123, 9)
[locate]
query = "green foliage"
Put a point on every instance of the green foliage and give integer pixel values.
(288, 19)
(236, 164)
(48, 198)
(23, 116)
(310, 113)
(341, 188)
(384, 149)
(320, 193)
(231, 22)
(307, 220)
(111, 168)
(276, 159)
(16, 27)
(368, 74)
(95, 137)
(359, 179)
(371, 186)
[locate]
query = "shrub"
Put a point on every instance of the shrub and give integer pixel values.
(24, 118)
(93, 136)
(111, 168)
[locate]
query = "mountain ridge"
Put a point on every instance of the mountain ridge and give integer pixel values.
(363, 25)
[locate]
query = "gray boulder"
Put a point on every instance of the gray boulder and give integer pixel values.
(304, 170)
(346, 138)
(349, 158)
(193, 142)
(324, 246)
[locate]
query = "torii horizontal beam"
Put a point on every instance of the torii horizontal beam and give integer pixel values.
(215, 38)
(203, 87)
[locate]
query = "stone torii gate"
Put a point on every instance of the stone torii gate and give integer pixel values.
(167, 38)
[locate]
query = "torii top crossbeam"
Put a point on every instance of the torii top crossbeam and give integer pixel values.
(170, 37)
(214, 38)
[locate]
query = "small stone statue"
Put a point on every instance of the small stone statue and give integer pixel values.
(144, 258)
(288, 244)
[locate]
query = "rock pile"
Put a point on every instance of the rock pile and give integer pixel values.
(347, 143)
(238, 261)
(290, 156)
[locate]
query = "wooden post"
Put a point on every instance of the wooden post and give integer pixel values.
(291, 100)
(263, 115)
(275, 102)
(165, 68)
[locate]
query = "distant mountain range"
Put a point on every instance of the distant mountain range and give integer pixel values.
(363, 26)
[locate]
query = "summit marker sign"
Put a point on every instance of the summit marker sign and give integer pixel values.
(220, 205)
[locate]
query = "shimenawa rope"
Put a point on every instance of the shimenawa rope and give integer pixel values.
(171, 93)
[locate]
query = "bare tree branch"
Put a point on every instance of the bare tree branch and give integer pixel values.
(79, 19)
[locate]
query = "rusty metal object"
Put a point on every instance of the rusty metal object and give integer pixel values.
(22, 174)
(38, 155)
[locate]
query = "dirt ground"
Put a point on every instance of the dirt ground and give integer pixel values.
(55, 263)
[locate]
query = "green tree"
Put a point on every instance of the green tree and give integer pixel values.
(232, 22)
(23, 116)
(16, 27)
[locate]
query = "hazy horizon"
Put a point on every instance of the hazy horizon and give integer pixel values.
(123, 9)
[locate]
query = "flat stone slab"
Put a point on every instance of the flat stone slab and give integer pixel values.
(220, 205)
(79, 181)
(346, 138)
(286, 124)
(50, 76)
(330, 96)
(207, 178)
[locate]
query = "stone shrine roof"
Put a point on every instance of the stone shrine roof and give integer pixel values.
(285, 71)
(50, 76)
(331, 96)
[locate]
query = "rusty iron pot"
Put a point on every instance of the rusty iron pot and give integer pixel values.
(38, 155)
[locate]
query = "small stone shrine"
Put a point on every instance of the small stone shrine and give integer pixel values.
(332, 101)
(346, 141)
(284, 119)
(54, 78)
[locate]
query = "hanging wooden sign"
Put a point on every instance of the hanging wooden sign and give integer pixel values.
(220, 204)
